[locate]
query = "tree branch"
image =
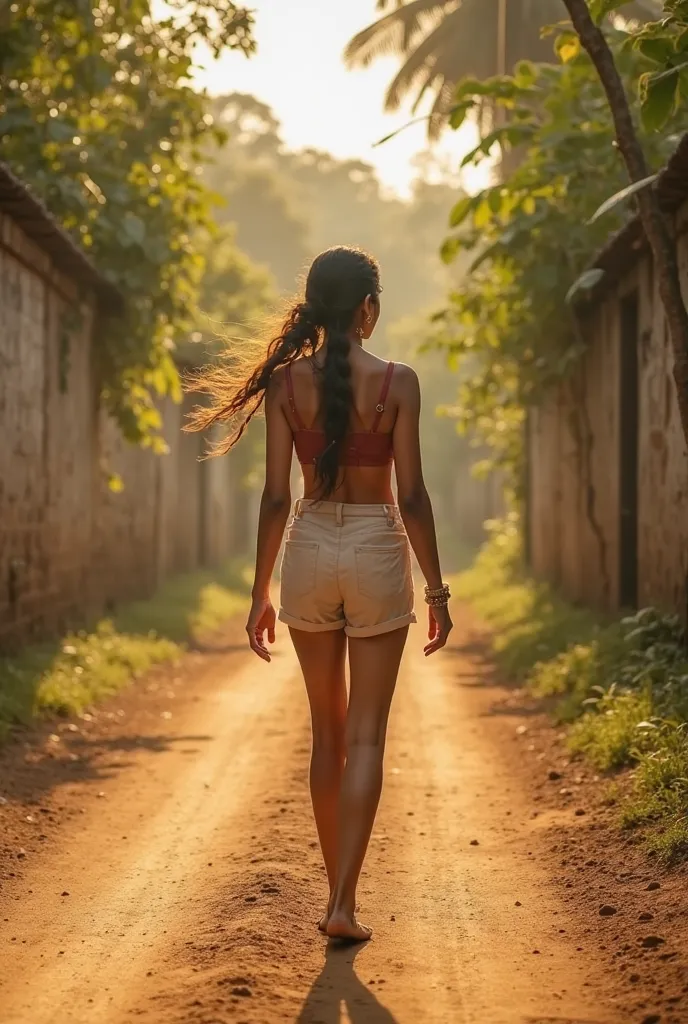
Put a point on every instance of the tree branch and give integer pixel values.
(653, 220)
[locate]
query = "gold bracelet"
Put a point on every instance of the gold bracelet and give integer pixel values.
(438, 598)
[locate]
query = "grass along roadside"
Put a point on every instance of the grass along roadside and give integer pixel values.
(620, 686)
(66, 676)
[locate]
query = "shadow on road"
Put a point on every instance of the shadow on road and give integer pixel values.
(81, 758)
(338, 983)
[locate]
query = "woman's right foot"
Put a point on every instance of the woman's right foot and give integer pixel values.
(341, 926)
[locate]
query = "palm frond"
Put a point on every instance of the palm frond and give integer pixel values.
(396, 31)
(441, 41)
(444, 101)
(453, 49)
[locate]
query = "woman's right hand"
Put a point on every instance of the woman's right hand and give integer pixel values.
(261, 620)
(440, 626)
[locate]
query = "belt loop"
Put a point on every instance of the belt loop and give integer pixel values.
(339, 512)
(298, 509)
(389, 512)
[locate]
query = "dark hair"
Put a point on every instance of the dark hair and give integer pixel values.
(338, 282)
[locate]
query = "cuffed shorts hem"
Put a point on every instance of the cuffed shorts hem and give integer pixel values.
(310, 627)
(381, 627)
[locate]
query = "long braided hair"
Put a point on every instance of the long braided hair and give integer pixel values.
(339, 280)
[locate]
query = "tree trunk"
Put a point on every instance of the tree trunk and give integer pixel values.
(653, 220)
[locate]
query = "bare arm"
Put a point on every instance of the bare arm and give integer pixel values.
(414, 501)
(275, 503)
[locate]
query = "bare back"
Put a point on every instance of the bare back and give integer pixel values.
(358, 484)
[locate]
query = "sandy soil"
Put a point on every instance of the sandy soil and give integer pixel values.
(159, 862)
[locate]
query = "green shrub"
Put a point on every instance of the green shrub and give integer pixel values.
(67, 676)
(621, 685)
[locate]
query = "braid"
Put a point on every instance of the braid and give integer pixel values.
(337, 402)
(339, 281)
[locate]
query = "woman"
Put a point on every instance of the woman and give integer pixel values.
(346, 572)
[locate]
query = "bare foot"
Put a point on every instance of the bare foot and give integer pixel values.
(340, 926)
(322, 923)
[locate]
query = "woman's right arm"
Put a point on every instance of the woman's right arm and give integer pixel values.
(414, 501)
(274, 512)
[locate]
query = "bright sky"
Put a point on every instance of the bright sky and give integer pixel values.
(298, 70)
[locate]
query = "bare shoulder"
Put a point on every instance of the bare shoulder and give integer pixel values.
(277, 383)
(406, 379)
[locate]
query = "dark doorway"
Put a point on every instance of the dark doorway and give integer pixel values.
(628, 455)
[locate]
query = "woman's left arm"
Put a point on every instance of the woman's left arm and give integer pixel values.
(275, 504)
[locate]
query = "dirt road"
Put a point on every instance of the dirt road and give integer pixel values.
(178, 878)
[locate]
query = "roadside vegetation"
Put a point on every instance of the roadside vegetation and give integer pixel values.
(65, 677)
(620, 686)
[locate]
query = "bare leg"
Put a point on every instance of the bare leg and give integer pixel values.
(374, 663)
(322, 658)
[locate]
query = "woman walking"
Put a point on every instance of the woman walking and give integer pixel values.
(346, 573)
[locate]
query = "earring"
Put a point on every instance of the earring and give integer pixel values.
(368, 318)
(359, 332)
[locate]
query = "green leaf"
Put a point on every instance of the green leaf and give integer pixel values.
(458, 114)
(461, 211)
(658, 49)
(567, 46)
(659, 97)
(482, 215)
(450, 247)
(620, 197)
(495, 200)
(587, 280)
(507, 137)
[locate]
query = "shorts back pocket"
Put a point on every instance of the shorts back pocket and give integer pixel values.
(299, 567)
(381, 571)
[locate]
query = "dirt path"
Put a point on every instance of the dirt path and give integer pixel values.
(178, 878)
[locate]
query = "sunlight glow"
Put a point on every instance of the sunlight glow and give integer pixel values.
(298, 70)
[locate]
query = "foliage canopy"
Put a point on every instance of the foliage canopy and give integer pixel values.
(530, 236)
(98, 116)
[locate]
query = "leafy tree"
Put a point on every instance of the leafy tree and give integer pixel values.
(530, 237)
(660, 92)
(288, 205)
(665, 44)
(96, 113)
(441, 41)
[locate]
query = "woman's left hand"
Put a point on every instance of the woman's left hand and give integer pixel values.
(261, 619)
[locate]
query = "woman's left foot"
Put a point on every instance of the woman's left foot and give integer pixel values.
(348, 929)
(322, 923)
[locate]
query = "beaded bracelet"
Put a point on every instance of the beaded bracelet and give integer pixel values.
(438, 598)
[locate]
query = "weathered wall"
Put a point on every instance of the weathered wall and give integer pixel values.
(575, 462)
(46, 414)
(663, 466)
(69, 545)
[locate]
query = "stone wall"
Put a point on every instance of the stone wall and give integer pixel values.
(580, 453)
(70, 546)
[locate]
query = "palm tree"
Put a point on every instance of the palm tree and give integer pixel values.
(441, 41)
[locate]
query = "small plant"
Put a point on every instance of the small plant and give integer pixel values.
(66, 677)
(621, 685)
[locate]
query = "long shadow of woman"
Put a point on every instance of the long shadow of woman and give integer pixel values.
(338, 983)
